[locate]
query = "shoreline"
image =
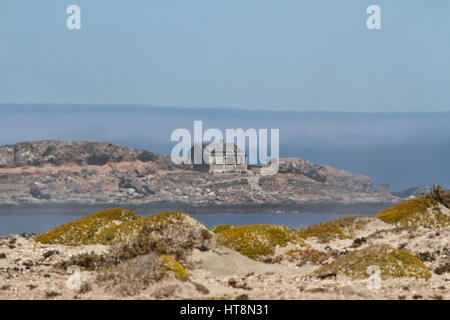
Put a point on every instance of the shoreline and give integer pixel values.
(155, 207)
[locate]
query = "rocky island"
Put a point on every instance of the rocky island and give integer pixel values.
(87, 176)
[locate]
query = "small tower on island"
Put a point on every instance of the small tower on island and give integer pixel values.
(384, 189)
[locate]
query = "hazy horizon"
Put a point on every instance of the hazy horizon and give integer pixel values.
(402, 149)
(150, 106)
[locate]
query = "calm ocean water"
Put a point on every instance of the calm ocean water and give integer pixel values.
(40, 223)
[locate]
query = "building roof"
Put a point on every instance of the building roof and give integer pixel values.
(214, 147)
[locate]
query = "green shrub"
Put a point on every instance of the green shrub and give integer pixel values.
(341, 228)
(258, 240)
(393, 263)
(439, 194)
(99, 227)
(115, 226)
(423, 211)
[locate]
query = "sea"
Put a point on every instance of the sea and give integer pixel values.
(42, 222)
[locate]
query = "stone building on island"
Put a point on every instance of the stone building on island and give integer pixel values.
(218, 157)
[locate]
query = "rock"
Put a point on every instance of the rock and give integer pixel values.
(58, 153)
(27, 235)
(146, 156)
(165, 292)
(402, 245)
(325, 174)
(358, 242)
(144, 171)
(50, 253)
(52, 294)
(426, 256)
(302, 167)
(200, 288)
(98, 159)
(131, 191)
(28, 263)
(327, 275)
(238, 284)
(443, 268)
(37, 191)
(6, 156)
(136, 185)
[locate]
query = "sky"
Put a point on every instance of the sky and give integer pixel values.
(254, 54)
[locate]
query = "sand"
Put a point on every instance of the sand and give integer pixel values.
(221, 273)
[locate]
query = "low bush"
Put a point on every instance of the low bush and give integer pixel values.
(341, 228)
(393, 263)
(258, 240)
(423, 211)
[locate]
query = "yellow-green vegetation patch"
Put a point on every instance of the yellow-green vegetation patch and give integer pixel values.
(174, 266)
(96, 228)
(256, 240)
(423, 211)
(393, 263)
(306, 255)
(172, 233)
(341, 228)
(117, 226)
(164, 221)
(221, 228)
(172, 219)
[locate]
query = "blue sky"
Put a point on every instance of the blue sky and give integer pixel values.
(255, 54)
